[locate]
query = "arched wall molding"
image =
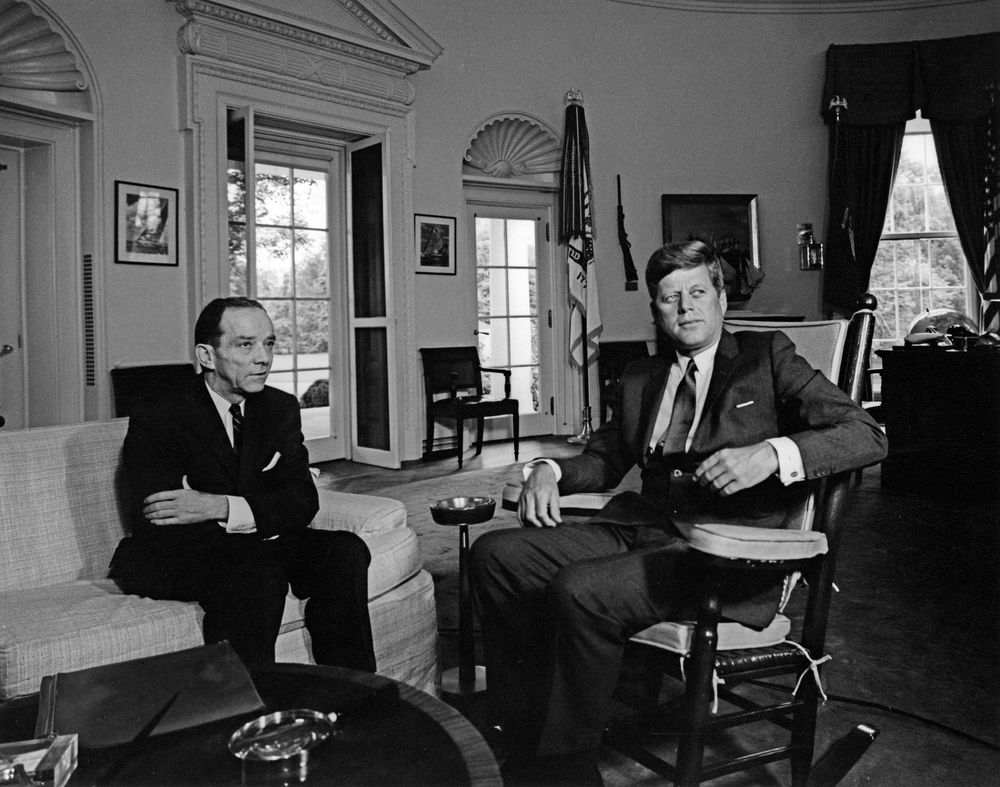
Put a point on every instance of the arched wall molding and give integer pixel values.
(794, 6)
(512, 145)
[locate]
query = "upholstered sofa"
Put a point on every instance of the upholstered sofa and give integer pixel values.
(62, 514)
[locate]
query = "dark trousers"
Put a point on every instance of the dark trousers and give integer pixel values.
(241, 582)
(557, 606)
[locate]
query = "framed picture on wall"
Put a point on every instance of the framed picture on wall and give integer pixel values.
(434, 240)
(145, 224)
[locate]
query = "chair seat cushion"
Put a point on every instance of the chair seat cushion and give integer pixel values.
(675, 636)
(756, 543)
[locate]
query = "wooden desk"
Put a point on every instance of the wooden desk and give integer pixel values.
(941, 410)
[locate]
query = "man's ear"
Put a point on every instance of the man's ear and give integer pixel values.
(724, 301)
(205, 354)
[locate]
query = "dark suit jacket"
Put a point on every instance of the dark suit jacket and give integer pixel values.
(180, 434)
(780, 394)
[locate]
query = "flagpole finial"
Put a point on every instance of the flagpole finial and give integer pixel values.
(838, 104)
(574, 96)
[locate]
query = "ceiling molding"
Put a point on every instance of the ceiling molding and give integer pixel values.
(794, 6)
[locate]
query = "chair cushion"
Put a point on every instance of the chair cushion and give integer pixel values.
(756, 543)
(675, 636)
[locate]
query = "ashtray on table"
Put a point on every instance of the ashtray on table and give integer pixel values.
(282, 735)
(463, 510)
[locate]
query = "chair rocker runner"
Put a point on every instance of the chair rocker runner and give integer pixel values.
(457, 372)
(714, 657)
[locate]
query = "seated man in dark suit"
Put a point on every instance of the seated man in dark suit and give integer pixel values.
(723, 428)
(218, 473)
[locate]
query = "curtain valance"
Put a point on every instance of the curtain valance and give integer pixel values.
(945, 78)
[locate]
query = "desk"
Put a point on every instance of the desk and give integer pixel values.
(390, 734)
(942, 416)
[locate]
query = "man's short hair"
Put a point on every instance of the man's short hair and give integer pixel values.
(207, 329)
(683, 256)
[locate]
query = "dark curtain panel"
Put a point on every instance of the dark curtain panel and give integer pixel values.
(863, 162)
(961, 151)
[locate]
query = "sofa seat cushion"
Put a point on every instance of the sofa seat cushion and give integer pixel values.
(84, 623)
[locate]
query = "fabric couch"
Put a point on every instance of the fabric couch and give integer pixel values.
(62, 513)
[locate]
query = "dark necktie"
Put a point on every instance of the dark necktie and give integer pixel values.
(682, 416)
(237, 427)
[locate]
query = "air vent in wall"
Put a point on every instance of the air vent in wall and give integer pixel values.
(89, 363)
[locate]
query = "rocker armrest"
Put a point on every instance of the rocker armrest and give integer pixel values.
(358, 513)
(739, 542)
(735, 542)
(506, 378)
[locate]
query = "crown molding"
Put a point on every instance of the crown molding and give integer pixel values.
(794, 6)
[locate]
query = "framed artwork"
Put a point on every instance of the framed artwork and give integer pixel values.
(145, 224)
(726, 221)
(434, 240)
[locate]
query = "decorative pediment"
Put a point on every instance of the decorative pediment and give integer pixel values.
(361, 46)
(513, 145)
(32, 55)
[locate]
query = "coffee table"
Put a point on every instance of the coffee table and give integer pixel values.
(387, 733)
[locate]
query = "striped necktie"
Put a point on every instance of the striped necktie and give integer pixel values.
(674, 437)
(237, 427)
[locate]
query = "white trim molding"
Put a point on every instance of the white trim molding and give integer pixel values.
(794, 6)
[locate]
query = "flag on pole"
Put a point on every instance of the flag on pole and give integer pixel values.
(576, 229)
(991, 225)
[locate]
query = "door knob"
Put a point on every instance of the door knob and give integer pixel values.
(6, 350)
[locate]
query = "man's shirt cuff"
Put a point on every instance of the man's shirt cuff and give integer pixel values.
(241, 518)
(526, 470)
(790, 469)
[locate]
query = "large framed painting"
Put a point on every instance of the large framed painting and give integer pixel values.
(727, 222)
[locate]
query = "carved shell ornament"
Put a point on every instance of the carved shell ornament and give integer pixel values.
(513, 147)
(32, 56)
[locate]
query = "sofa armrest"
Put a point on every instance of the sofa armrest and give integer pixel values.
(358, 513)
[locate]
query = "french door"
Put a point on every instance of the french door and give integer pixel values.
(513, 308)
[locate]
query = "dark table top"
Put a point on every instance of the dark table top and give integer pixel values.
(387, 733)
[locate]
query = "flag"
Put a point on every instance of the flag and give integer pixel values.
(576, 230)
(991, 227)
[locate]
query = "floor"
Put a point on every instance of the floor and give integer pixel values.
(916, 630)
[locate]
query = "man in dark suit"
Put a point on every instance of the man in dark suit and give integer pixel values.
(723, 428)
(222, 497)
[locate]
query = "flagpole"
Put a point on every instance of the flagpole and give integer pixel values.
(586, 429)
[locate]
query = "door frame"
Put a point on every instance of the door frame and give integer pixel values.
(540, 200)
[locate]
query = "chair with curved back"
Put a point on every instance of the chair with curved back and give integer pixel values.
(456, 373)
(716, 658)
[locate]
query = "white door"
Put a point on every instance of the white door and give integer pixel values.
(12, 396)
(514, 310)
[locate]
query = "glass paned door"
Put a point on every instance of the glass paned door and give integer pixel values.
(280, 254)
(512, 331)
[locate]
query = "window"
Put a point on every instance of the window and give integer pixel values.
(919, 264)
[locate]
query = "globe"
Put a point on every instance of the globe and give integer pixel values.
(940, 320)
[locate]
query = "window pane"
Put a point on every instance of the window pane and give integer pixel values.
(237, 259)
(273, 194)
(485, 348)
(498, 291)
(281, 316)
(367, 226)
(939, 217)
(283, 381)
(483, 294)
(311, 263)
(309, 197)
(908, 209)
(312, 340)
(236, 191)
(372, 388)
(523, 342)
(521, 243)
(274, 262)
(522, 291)
(911, 160)
(497, 341)
(524, 388)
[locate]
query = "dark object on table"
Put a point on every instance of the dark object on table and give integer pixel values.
(463, 510)
(961, 337)
(456, 371)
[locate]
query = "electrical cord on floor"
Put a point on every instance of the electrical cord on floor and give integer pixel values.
(888, 709)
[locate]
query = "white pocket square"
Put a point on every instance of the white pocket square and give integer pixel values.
(273, 462)
(744, 404)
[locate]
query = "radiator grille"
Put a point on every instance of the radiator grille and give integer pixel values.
(89, 361)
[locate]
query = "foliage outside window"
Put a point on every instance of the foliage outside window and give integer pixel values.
(919, 264)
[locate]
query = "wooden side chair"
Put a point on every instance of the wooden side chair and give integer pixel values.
(718, 660)
(454, 391)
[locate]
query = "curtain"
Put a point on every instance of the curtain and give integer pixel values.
(884, 85)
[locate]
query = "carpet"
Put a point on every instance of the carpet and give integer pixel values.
(913, 631)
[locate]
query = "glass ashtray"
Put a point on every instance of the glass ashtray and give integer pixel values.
(281, 735)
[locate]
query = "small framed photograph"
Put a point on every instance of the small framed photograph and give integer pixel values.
(145, 224)
(434, 239)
